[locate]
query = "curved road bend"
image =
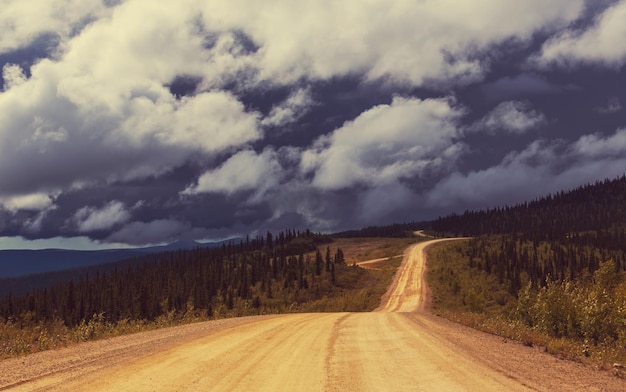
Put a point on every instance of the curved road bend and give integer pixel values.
(396, 348)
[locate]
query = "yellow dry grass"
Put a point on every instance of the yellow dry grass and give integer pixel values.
(362, 249)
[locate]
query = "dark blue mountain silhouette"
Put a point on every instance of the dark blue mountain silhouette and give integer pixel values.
(25, 270)
(21, 262)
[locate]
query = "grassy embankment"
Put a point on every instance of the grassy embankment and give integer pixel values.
(582, 320)
(355, 290)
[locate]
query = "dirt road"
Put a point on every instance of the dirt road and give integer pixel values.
(398, 348)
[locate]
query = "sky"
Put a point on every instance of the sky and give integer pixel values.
(137, 122)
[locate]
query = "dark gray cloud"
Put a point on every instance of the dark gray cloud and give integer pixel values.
(161, 230)
(137, 122)
(523, 85)
(613, 105)
(540, 168)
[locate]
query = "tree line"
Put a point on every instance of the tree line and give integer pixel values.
(556, 237)
(562, 259)
(516, 261)
(254, 273)
(396, 230)
(589, 208)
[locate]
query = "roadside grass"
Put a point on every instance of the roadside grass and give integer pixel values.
(355, 289)
(362, 249)
(359, 290)
(476, 299)
(19, 338)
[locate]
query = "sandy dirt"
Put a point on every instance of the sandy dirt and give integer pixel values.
(400, 347)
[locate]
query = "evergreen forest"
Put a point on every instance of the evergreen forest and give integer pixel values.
(254, 271)
(555, 265)
(289, 272)
(557, 237)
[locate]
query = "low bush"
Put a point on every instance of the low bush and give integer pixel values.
(584, 319)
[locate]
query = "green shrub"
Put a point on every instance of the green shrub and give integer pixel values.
(584, 317)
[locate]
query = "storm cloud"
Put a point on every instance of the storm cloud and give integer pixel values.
(139, 122)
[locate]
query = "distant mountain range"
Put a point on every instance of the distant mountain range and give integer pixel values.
(24, 270)
(22, 262)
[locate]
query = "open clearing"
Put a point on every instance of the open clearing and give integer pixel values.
(398, 347)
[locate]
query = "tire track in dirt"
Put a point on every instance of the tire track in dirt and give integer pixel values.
(399, 347)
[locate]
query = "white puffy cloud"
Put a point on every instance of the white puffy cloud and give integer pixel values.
(38, 204)
(410, 42)
(386, 143)
(509, 116)
(13, 75)
(245, 170)
(290, 110)
(103, 99)
(209, 122)
(102, 111)
(593, 146)
(22, 21)
(89, 219)
(34, 201)
(99, 110)
(603, 42)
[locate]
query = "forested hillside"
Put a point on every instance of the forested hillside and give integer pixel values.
(553, 238)
(555, 265)
(593, 207)
(206, 279)
(290, 272)
(397, 230)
